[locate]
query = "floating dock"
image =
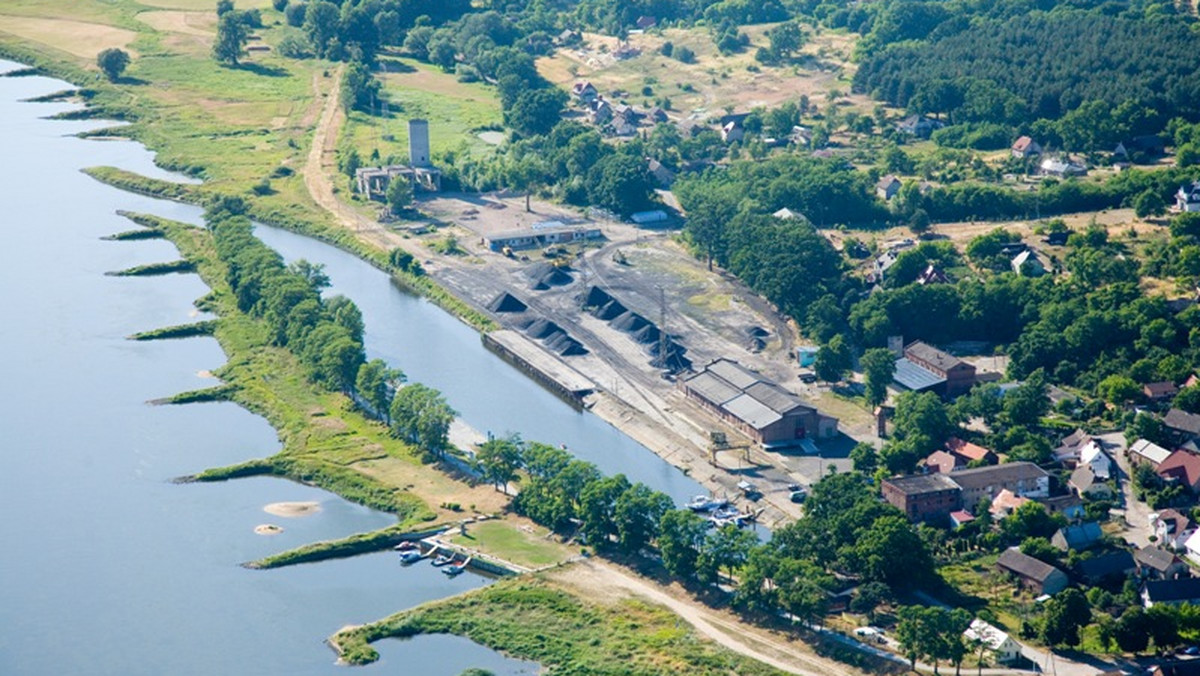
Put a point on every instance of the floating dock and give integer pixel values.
(562, 380)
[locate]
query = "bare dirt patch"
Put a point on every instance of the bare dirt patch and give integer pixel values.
(199, 24)
(203, 4)
(268, 529)
(74, 37)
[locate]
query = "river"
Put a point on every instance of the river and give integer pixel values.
(107, 566)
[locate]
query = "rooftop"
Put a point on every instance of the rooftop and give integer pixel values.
(1024, 565)
(1150, 451)
(1080, 535)
(1156, 558)
(918, 484)
(1183, 465)
(966, 449)
(1182, 421)
(931, 355)
(986, 476)
(915, 377)
(1184, 589)
(744, 394)
(1106, 565)
(985, 633)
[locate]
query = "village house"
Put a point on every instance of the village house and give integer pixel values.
(1005, 503)
(1094, 457)
(585, 92)
(1077, 537)
(1160, 391)
(602, 111)
(1022, 478)
(1154, 563)
(960, 518)
(1068, 449)
(1107, 567)
(1037, 575)
(931, 275)
(1058, 167)
(1171, 592)
(1182, 467)
(1025, 147)
(958, 454)
(924, 367)
(1182, 425)
(943, 462)
(1069, 505)
(887, 187)
(923, 497)
(919, 126)
(1188, 198)
(1145, 451)
(732, 132)
(662, 175)
(760, 409)
(881, 264)
(1085, 483)
(1028, 264)
(1171, 528)
(657, 115)
(1003, 649)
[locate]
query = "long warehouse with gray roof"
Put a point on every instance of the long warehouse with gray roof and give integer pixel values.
(762, 410)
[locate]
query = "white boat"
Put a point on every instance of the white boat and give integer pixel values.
(706, 503)
(410, 556)
(444, 560)
(455, 569)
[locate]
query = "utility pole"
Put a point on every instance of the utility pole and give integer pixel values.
(662, 327)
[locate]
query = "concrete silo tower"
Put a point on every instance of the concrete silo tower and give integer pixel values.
(418, 143)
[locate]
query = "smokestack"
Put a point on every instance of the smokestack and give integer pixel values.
(418, 143)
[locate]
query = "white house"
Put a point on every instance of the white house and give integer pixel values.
(1172, 529)
(1028, 264)
(1093, 456)
(1003, 648)
(1188, 198)
(732, 132)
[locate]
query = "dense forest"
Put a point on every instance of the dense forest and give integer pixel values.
(1044, 67)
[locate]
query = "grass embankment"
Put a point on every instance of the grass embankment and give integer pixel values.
(533, 618)
(205, 328)
(131, 235)
(154, 269)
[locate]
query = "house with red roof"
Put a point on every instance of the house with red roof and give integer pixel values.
(1183, 467)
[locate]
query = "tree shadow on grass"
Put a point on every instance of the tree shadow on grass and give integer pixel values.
(260, 69)
(131, 81)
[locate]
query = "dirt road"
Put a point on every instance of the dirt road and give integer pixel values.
(600, 579)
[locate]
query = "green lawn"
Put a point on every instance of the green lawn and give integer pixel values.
(508, 541)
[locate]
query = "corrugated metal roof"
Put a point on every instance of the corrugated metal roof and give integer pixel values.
(751, 411)
(734, 373)
(775, 398)
(914, 377)
(1150, 451)
(929, 353)
(715, 390)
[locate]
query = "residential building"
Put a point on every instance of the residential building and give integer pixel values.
(1039, 576)
(1061, 168)
(1171, 592)
(584, 91)
(1069, 505)
(1069, 447)
(1085, 483)
(1145, 451)
(657, 115)
(1188, 198)
(1094, 457)
(1006, 503)
(887, 187)
(1155, 563)
(1182, 467)
(1114, 565)
(969, 451)
(602, 111)
(1028, 264)
(1022, 478)
(1002, 647)
(1182, 425)
(760, 409)
(924, 367)
(1171, 528)
(924, 497)
(944, 462)
(732, 132)
(1191, 547)
(931, 275)
(1025, 147)
(1077, 537)
(960, 518)
(1160, 391)
(663, 176)
(919, 126)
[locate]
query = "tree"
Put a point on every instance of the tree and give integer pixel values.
(526, 174)
(420, 415)
(232, 34)
(1149, 203)
(868, 597)
(879, 366)
(1132, 631)
(498, 460)
(864, 458)
(1031, 520)
(802, 589)
(1163, 622)
(913, 634)
(321, 19)
(377, 384)
(535, 111)
(834, 359)
(112, 63)
(890, 551)
(923, 418)
(224, 7)
(1063, 616)
(598, 504)
(360, 89)
(785, 39)
(727, 548)
(637, 514)
(1119, 390)
(399, 195)
(619, 183)
(681, 535)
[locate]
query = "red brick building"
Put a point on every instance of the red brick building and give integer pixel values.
(924, 497)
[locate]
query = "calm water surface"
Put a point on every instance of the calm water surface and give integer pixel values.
(106, 567)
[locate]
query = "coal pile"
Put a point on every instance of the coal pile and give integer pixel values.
(630, 322)
(554, 337)
(506, 302)
(757, 332)
(542, 276)
(604, 306)
(596, 297)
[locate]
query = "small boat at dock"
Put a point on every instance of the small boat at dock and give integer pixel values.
(706, 503)
(411, 556)
(443, 560)
(456, 569)
(406, 546)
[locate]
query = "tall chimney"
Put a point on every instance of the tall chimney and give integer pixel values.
(418, 143)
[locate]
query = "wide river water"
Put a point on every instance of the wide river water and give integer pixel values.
(109, 568)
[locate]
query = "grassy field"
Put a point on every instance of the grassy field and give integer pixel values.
(535, 619)
(525, 545)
